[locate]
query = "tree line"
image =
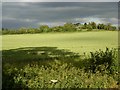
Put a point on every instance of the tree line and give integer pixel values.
(67, 27)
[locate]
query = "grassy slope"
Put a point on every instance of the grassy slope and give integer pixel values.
(76, 42)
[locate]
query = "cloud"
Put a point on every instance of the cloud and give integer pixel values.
(51, 24)
(53, 13)
(0, 15)
(17, 23)
(19, 19)
(60, 0)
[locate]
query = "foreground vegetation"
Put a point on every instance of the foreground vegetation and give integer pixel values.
(49, 67)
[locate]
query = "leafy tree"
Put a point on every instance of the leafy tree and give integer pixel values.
(22, 30)
(55, 29)
(100, 26)
(31, 30)
(113, 28)
(119, 28)
(85, 26)
(108, 26)
(93, 24)
(69, 27)
(77, 24)
(44, 28)
(89, 27)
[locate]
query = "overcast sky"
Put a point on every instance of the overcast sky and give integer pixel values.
(60, 0)
(26, 14)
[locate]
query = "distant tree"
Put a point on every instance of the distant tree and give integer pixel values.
(55, 29)
(118, 27)
(22, 30)
(3, 29)
(113, 28)
(89, 27)
(85, 26)
(93, 24)
(31, 30)
(69, 27)
(77, 24)
(79, 28)
(100, 26)
(60, 28)
(44, 28)
(108, 26)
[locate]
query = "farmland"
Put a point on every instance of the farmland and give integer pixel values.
(53, 60)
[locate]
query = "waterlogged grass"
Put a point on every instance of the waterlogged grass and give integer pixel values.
(76, 42)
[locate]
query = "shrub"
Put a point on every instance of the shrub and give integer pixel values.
(66, 76)
(103, 60)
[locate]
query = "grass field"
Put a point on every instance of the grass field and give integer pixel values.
(57, 60)
(76, 42)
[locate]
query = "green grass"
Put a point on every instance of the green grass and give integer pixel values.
(33, 60)
(76, 42)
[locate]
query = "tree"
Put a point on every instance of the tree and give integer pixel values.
(22, 30)
(118, 27)
(100, 26)
(108, 26)
(93, 24)
(56, 29)
(77, 24)
(113, 28)
(85, 26)
(44, 28)
(89, 27)
(69, 27)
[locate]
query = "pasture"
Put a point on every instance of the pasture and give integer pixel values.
(76, 42)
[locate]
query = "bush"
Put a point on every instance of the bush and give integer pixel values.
(103, 60)
(66, 76)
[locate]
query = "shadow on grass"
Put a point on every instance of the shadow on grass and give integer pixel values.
(28, 55)
(32, 55)
(44, 55)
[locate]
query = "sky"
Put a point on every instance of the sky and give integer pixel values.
(0, 15)
(34, 14)
(59, 0)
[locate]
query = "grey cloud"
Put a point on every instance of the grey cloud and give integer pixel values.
(17, 23)
(34, 13)
(0, 15)
(60, 0)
